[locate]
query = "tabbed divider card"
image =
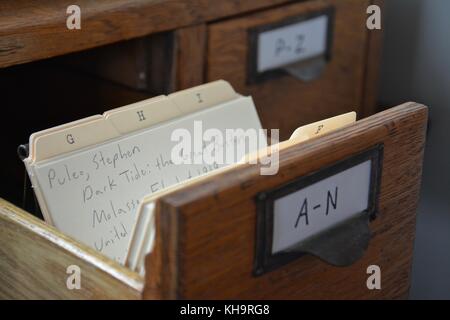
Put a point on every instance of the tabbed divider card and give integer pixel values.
(90, 176)
(37, 135)
(203, 96)
(64, 138)
(319, 128)
(142, 238)
(142, 114)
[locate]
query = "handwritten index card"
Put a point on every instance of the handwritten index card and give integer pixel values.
(92, 194)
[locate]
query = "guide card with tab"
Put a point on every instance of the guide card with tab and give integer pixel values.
(96, 178)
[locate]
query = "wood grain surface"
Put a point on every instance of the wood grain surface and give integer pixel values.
(31, 31)
(205, 244)
(191, 56)
(285, 102)
(34, 258)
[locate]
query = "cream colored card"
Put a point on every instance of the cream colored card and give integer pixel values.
(91, 192)
(203, 96)
(142, 114)
(319, 128)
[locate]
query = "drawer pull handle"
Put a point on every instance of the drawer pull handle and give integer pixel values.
(307, 71)
(341, 245)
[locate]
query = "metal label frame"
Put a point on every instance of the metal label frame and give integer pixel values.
(253, 76)
(265, 261)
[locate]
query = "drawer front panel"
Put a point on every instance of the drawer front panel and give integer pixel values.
(285, 102)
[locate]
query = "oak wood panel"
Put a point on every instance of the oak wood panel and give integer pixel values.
(212, 223)
(191, 54)
(374, 53)
(30, 31)
(34, 258)
(162, 271)
(285, 102)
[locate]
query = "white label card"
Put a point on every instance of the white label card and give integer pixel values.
(292, 43)
(92, 194)
(319, 206)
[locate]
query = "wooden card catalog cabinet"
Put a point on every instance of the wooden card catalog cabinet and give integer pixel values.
(301, 62)
(208, 234)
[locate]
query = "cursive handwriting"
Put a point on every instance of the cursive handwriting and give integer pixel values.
(100, 160)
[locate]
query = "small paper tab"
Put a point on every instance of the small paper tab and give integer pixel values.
(203, 96)
(142, 114)
(321, 127)
(73, 138)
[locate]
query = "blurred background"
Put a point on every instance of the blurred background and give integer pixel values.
(416, 67)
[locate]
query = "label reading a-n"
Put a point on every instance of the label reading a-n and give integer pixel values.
(310, 210)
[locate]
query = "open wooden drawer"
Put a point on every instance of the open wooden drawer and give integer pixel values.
(206, 232)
